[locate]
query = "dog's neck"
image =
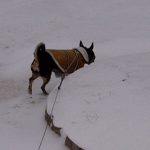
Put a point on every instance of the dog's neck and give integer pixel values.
(83, 53)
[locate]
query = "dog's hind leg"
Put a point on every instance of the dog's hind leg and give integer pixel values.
(45, 81)
(31, 79)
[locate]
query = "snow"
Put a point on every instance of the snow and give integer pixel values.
(108, 100)
(110, 110)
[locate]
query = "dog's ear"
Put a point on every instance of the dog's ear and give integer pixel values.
(92, 46)
(81, 44)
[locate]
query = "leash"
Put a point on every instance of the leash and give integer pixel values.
(43, 137)
(54, 128)
(58, 89)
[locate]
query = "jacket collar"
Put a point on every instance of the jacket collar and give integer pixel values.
(83, 53)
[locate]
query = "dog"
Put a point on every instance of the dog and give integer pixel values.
(61, 62)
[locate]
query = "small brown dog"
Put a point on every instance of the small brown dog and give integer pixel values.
(60, 62)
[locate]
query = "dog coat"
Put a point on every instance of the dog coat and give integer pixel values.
(71, 60)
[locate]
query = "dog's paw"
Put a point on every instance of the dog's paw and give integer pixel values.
(45, 93)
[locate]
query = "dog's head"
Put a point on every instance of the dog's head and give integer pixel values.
(89, 51)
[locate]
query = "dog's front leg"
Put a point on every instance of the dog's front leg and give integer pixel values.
(45, 81)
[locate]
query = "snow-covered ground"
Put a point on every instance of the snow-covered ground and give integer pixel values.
(112, 94)
(106, 106)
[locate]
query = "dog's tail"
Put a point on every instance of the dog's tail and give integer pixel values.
(40, 49)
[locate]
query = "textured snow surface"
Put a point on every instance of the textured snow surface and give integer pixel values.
(102, 106)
